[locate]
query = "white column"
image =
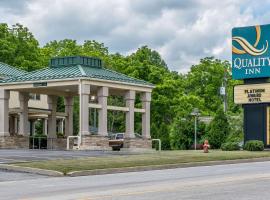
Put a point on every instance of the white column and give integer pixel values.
(130, 100)
(4, 109)
(84, 112)
(102, 113)
(146, 99)
(69, 119)
(52, 101)
(45, 126)
(23, 124)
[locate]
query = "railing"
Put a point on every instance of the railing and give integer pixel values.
(41, 142)
(51, 142)
(78, 138)
(39, 138)
(159, 143)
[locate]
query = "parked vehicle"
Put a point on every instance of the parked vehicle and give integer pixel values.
(116, 141)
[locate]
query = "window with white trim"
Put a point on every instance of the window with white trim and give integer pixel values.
(35, 97)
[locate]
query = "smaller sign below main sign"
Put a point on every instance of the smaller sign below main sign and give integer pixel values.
(253, 93)
(40, 84)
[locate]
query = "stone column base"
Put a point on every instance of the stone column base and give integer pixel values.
(58, 143)
(95, 142)
(139, 143)
(14, 142)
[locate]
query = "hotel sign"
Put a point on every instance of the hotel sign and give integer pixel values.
(253, 93)
(250, 52)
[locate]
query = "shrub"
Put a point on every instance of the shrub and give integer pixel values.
(218, 130)
(181, 133)
(60, 135)
(254, 145)
(230, 146)
(235, 137)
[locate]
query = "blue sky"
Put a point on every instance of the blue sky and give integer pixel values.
(182, 31)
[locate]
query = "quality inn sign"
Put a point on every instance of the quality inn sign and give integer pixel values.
(250, 52)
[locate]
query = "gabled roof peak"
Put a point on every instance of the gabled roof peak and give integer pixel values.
(75, 60)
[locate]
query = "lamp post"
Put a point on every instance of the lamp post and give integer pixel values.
(195, 113)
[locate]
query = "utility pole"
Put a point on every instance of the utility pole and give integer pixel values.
(196, 114)
(195, 134)
(225, 96)
(223, 91)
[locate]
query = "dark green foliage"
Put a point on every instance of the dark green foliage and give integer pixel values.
(60, 135)
(230, 146)
(182, 133)
(218, 130)
(76, 109)
(19, 48)
(60, 104)
(254, 145)
(39, 127)
(235, 137)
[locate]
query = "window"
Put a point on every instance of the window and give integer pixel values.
(35, 97)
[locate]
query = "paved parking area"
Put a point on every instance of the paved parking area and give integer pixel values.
(22, 155)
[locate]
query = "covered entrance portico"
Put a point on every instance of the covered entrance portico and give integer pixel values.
(85, 78)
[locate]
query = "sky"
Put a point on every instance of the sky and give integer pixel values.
(182, 31)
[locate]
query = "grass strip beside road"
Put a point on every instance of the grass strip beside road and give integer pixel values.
(119, 161)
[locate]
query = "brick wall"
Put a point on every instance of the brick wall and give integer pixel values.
(138, 143)
(94, 142)
(59, 143)
(14, 142)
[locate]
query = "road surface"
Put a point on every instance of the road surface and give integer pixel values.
(236, 181)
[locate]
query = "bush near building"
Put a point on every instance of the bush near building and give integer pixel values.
(254, 145)
(230, 146)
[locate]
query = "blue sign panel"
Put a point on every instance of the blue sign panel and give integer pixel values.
(250, 52)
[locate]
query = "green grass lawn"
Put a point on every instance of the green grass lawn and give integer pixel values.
(162, 158)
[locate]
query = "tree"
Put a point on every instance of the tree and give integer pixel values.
(204, 81)
(55, 48)
(218, 130)
(19, 48)
(181, 134)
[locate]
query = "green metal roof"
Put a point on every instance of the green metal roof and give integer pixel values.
(75, 67)
(7, 71)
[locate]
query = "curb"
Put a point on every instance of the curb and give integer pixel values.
(45, 172)
(31, 170)
(161, 167)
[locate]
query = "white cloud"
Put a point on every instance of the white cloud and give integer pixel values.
(182, 31)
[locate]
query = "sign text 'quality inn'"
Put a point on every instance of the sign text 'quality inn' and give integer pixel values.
(250, 52)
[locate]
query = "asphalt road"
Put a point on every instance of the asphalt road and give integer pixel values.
(14, 176)
(237, 181)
